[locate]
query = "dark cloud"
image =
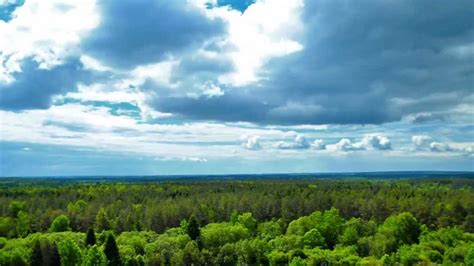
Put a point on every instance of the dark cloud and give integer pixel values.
(33, 87)
(363, 62)
(141, 31)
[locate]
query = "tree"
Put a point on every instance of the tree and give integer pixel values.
(54, 259)
(193, 228)
(102, 221)
(23, 223)
(15, 207)
(94, 257)
(36, 258)
(70, 253)
(90, 237)
(313, 238)
(60, 224)
(111, 250)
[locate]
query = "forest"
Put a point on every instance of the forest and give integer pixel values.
(351, 221)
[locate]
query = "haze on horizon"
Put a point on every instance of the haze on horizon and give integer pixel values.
(223, 86)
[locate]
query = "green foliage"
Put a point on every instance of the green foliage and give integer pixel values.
(313, 238)
(36, 258)
(242, 223)
(94, 257)
(69, 252)
(218, 234)
(193, 228)
(90, 237)
(60, 224)
(111, 250)
(102, 221)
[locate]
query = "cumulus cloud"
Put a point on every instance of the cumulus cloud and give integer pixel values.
(300, 142)
(368, 142)
(420, 142)
(251, 143)
(375, 141)
(440, 147)
(318, 144)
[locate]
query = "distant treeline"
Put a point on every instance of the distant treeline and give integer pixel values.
(241, 222)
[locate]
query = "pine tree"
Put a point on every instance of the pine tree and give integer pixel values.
(90, 237)
(36, 258)
(193, 228)
(54, 260)
(111, 251)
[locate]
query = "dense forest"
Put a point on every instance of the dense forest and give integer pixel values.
(266, 222)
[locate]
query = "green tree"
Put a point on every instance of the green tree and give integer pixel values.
(111, 250)
(54, 259)
(193, 228)
(23, 223)
(60, 224)
(36, 258)
(69, 252)
(90, 237)
(94, 257)
(469, 259)
(313, 238)
(15, 207)
(102, 221)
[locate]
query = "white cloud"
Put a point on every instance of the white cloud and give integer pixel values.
(318, 144)
(266, 29)
(300, 142)
(209, 89)
(344, 145)
(420, 141)
(47, 31)
(368, 142)
(251, 143)
(376, 141)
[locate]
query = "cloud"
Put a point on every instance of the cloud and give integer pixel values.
(377, 142)
(380, 62)
(251, 143)
(426, 118)
(368, 142)
(300, 142)
(318, 144)
(140, 32)
(420, 142)
(34, 87)
(49, 32)
(440, 147)
(344, 145)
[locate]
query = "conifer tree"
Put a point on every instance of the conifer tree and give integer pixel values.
(90, 237)
(55, 259)
(193, 228)
(36, 258)
(111, 251)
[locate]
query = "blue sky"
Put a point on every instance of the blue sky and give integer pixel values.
(211, 87)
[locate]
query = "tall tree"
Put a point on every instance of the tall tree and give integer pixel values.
(54, 259)
(111, 250)
(90, 237)
(193, 228)
(36, 258)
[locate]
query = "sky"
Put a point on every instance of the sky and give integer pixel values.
(154, 87)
